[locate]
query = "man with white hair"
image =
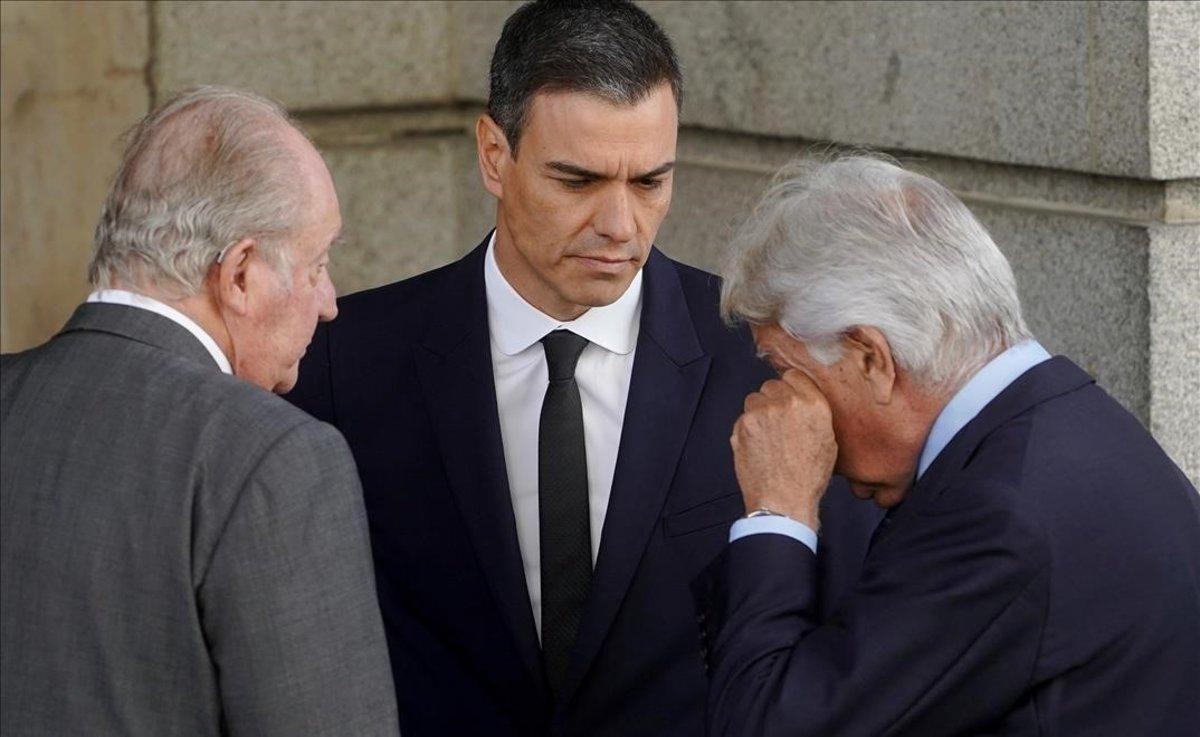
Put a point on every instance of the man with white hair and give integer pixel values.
(1038, 570)
(182, 552)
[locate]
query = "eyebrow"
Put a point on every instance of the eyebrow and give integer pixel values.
(338, 238)
(573, 170)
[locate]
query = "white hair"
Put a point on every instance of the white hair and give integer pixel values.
(855, 240)
(204, 170)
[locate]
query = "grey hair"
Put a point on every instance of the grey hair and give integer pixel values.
(855, 240)
(201, 172)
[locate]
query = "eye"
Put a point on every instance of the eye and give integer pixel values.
(650, 184)
(575, 184)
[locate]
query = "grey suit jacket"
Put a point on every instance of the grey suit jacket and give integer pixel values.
(181, 553)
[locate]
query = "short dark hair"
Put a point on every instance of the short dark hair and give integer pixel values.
(609, 48)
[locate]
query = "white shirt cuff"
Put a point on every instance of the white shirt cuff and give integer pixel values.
(777, 525)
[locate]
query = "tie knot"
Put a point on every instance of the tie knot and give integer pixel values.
(562, 353)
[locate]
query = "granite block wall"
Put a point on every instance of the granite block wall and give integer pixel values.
(1070, 128)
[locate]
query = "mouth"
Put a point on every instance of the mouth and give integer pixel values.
(604, 264)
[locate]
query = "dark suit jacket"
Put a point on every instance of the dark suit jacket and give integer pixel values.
(405, 372)
(181, 553)
(1043, 578)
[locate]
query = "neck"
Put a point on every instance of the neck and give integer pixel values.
(922, 407)
(524, 280)
(910, 425)
(201, 308)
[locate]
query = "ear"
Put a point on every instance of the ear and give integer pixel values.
(494, 154)
(232, 274)
(870, 353)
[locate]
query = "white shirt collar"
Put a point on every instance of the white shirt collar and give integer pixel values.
(132, 299)
(515, 324)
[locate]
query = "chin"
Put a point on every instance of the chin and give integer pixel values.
(860, 491)
(889, 497)
(606, 290)
(288, 382)
(884, 495)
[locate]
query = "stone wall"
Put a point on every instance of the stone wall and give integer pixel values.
(72, 78)
(1070, 128)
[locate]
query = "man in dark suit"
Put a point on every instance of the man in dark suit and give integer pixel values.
(1038, 570)
(542, 427)
(181, 551)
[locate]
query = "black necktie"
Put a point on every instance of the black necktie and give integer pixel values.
(566, 544)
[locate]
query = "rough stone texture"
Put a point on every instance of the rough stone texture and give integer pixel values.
(1059, 84)
(1083, 289)
(308, 55)
(404, 181)
(476, 26)
(71, 80)
(1182, 203)
(1088, 195)
(1174, 32)
(1174, 288)
(1070, 128)
(397, 202)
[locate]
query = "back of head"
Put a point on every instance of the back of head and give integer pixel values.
(608, 48)
(853, 240)
(203, 170)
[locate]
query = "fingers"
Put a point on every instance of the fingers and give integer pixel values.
(775, 388)
(807, 390)
(783, 446)
(793, 386)
(799, 381)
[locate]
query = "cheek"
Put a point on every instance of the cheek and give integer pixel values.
(851, 428)
(542, 203)
(652, 210)
(308, 312)
(297, 314)
(546, 220)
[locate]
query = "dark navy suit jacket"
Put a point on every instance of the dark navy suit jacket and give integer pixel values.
(405, 373)
(1042, 578)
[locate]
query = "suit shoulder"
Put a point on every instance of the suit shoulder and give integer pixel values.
(241, 417)
(396, 300)
(307, 455)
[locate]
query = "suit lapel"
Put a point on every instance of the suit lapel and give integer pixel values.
(454, 366)
(669, 372)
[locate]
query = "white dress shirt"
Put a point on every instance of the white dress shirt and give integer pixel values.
(132, 299)
(519, 365)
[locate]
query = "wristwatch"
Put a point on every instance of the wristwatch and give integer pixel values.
(764, 512)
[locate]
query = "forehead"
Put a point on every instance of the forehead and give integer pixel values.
(580, 127)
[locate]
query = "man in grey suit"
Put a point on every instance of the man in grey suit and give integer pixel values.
(181, 552)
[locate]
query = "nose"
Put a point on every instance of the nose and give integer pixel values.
(328, 309)
(615, 218)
